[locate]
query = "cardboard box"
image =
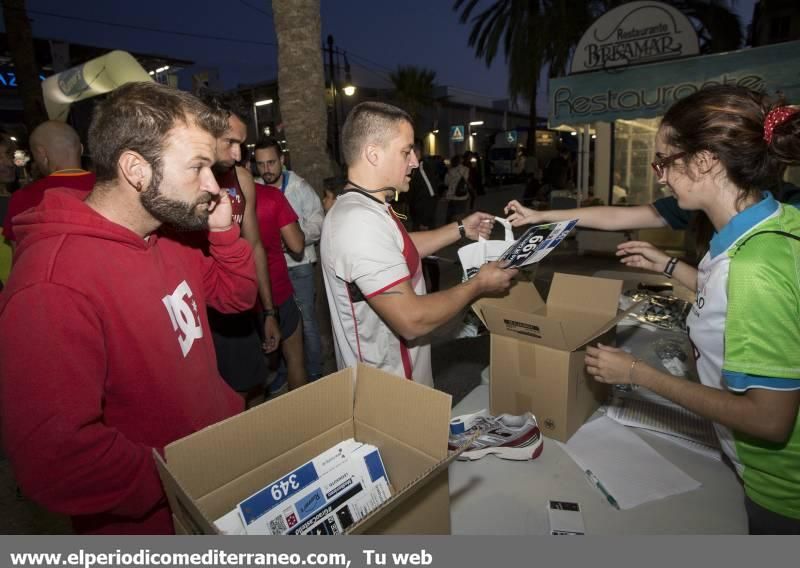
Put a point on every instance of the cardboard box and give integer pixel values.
(537, 349)
(208, 473)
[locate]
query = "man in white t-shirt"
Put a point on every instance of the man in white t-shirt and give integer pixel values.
(380, 311)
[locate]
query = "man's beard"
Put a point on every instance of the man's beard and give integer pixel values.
(220, 168)
(270, 178)
(178, 214)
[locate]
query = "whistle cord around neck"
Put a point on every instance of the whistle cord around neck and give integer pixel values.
(368, 193)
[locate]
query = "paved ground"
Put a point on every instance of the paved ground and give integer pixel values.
(457, 363)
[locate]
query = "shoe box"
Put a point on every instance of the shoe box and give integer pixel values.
(206, 474)
(538, 349)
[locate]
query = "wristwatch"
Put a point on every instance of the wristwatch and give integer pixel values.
(670, 267)
(270, 312)
(461, 230)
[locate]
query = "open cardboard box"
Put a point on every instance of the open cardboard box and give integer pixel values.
(208, 473)
(538, 349)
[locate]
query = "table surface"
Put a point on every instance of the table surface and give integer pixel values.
(500, 497)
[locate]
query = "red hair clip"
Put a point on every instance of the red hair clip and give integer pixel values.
(775, 118)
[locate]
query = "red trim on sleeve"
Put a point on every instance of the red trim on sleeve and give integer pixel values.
(392, 285)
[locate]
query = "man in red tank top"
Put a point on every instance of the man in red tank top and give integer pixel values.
(237, 338)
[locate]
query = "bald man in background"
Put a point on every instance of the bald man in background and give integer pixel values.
(56, 150)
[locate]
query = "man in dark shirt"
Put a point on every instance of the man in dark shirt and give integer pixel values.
(423, 203)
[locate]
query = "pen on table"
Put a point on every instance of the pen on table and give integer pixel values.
(596, 482)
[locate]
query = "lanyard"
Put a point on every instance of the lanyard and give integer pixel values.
(366, 193)
(285, 181)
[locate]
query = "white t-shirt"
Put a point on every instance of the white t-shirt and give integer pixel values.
(365, 250)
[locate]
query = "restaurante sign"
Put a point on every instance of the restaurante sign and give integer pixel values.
(635, 33)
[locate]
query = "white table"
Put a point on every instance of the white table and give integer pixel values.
(499, 497)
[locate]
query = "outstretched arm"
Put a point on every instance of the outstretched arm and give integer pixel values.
(601, 217)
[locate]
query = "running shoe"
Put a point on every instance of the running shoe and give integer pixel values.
(507, 436)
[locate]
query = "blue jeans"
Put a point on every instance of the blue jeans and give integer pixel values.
(305, 294)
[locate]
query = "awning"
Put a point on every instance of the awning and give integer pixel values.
(646, 91)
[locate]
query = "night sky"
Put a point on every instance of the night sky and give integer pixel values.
(378, 35)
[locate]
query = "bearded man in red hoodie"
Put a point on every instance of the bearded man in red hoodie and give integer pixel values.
(105, 349)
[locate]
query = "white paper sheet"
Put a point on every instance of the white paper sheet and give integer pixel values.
(629, 469)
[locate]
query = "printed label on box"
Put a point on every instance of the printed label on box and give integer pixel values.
(523, 328)
(293, 483)
(333, 502)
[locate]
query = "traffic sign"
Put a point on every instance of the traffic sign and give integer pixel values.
(457, 133)
(511, 136)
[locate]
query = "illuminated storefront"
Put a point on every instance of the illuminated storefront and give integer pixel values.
(622, 107)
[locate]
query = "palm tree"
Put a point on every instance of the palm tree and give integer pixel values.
(535, 33)
(20, 44)
(718, 28)
(301, 87)
(518, 24)
(413, 89)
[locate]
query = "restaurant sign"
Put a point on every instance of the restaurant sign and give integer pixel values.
(645, 91)
(635, 33)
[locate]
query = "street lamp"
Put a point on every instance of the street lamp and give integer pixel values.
(262, 102)
(349, 89)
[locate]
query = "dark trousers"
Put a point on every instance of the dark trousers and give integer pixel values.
(764, 521)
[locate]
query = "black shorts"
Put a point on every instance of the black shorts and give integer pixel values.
(240, 359)
(289, 317)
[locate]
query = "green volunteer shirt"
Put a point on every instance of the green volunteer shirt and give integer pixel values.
(745, 326)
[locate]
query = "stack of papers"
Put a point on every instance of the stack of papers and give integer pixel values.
(643, 409)
(326, 495)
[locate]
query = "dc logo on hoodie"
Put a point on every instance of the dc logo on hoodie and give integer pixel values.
(183, 313)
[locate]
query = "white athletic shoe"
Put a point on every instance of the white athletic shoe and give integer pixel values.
(507, 436)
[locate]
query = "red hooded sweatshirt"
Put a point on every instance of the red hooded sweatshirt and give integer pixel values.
(105, 354)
